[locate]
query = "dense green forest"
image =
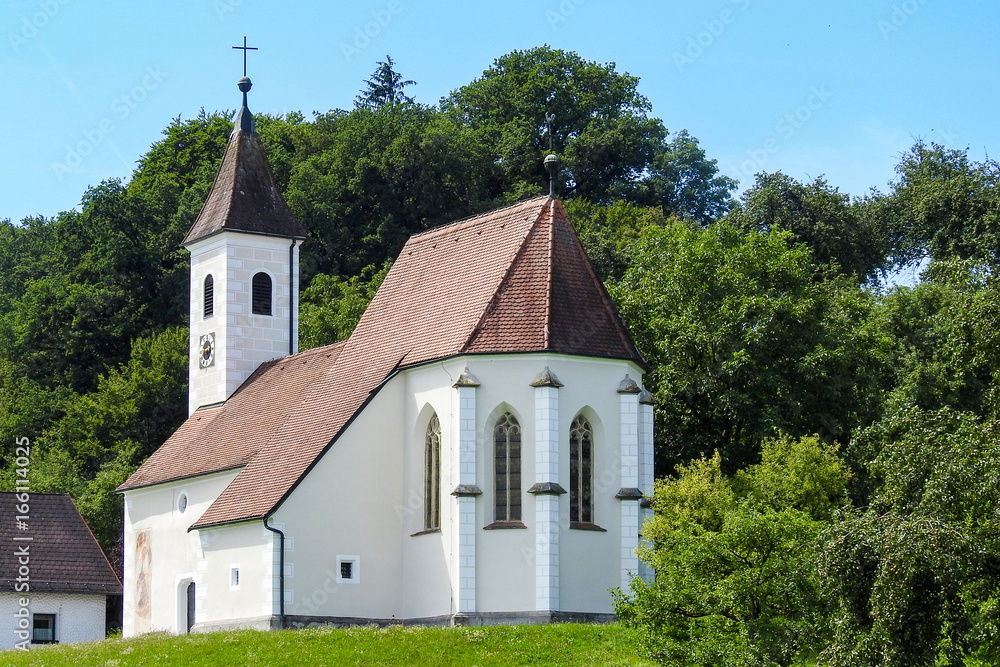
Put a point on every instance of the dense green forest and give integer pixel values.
(827, 446)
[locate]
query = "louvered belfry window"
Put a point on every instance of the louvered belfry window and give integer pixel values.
(507, 469)
(432, 475)
(581, 471)
(209, 296)
(261, 297)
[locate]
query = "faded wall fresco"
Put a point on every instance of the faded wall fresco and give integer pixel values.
(143, 582)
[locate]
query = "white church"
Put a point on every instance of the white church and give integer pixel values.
(477, 452)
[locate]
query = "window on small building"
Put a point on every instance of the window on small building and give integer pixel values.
(43, 629)
(209, 296)
(432, 474)
(234, 577)
(507, 469)
(182, 502)
(581, 471)
(261, 294)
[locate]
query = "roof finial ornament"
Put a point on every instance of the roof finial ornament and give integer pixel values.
(552, 160)
(244, 119)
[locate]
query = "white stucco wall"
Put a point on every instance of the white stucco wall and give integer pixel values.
(364, 499)
(588, 562)
(79, 617)
(349, 505)
(247, 548)
(406, 573)
(172, 554)
(243, 340)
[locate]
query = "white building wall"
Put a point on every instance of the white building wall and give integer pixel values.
(247, 602)
(79, 617)
(364, 500)
(243, 340)
(353, 504)
(431, 586)
(161, 556)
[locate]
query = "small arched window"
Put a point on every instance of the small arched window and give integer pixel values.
(209, 296)
(261, 294)
(581, 471)
(432, 475)
(507, 469)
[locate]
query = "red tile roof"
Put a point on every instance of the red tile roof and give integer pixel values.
(231, 435)
(244, 196)
(512, 280)
(63, 555)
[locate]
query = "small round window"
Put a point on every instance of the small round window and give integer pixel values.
(182, 503)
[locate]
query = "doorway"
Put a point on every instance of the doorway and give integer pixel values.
(190, 606)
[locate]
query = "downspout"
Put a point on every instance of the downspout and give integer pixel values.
(281, 571)
(291, 299)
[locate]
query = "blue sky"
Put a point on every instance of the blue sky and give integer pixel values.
(808, 88)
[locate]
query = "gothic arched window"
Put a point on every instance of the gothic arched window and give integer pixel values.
(209, 293)
(432, 475)
(261, 294)
(507, 469)
(581, 471)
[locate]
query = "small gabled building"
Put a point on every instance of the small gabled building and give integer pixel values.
(56, 584)
(476, 452)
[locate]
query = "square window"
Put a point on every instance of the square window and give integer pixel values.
(43, 629)
(348, 570)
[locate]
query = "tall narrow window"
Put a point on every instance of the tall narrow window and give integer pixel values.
(432, 475)
(209, 296)
(507, 469)
(261, 297)
(581, 471)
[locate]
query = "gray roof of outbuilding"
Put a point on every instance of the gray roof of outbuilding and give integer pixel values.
(63, 555)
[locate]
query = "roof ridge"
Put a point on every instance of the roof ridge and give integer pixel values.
(609, 303)
(455, 223)
(93, 538)
(491, 302)
(550, 260)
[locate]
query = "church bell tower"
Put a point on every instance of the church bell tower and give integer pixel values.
(244, 249)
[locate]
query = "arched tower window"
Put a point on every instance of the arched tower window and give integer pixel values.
(581, 471)
(209, 293)
(432, 475)
(261, 294)
(507, 469)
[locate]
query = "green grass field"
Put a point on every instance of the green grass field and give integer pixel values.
(513, 646)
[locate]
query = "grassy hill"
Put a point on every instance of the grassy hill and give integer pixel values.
(548, 645)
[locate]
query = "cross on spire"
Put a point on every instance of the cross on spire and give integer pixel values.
(245, 48)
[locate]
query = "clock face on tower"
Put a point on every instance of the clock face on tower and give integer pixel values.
(206, 350)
